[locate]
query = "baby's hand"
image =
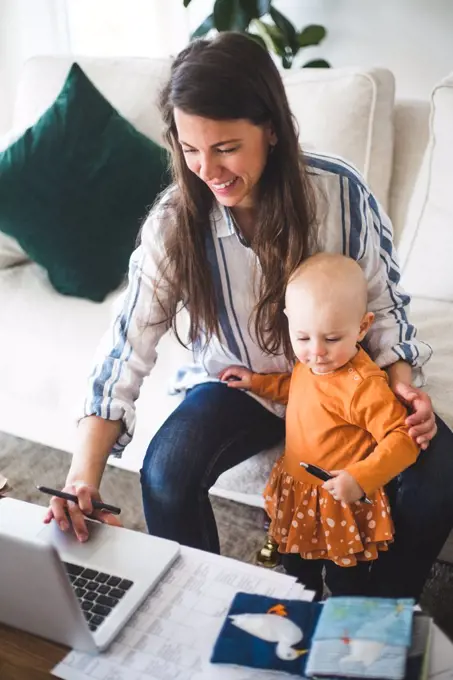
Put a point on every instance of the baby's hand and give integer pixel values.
(343, 487)
(237, 376)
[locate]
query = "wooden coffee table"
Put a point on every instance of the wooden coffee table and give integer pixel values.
(26, 657)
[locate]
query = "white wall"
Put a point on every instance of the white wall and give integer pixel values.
(140, 28)
(27, 27)
(410, 37)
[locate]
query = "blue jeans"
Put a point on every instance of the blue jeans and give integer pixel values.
(215, 428)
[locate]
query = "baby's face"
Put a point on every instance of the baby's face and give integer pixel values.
(324, 335)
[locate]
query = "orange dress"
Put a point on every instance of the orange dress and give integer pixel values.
(346, 420)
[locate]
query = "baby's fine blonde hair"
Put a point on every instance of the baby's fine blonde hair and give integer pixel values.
(334, 276)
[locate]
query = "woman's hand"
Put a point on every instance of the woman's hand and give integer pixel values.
(343, 487)
(421, 422)
(237, 376)
(59, 510)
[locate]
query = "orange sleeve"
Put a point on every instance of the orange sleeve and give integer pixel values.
(376, 409)
(273, 386)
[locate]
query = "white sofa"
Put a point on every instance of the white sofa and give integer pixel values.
(47, 341)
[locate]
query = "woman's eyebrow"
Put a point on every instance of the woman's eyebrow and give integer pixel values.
(213, 146)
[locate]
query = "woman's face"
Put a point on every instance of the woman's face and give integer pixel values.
(228, 155)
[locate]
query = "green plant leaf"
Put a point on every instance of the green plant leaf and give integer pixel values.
(317, 63)
(272, 36)
(186, 3)
(258, 39)
(230, 16)
(250, 9)
(312, 35)
(203, 28)
(287, 29)
(254, 9)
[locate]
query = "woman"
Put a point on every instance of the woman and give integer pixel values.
(245, 209)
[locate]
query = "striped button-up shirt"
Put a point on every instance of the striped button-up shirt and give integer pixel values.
(350, 221)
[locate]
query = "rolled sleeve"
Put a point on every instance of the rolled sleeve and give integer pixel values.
(127, 352)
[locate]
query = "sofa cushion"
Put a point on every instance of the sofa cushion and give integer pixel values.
(75, 187)
(427, 241)
(47, 345)
(349, 113)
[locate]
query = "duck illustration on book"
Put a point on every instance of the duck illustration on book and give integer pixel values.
(273, 626)
(268, 633)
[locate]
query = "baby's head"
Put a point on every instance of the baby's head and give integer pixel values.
(326, 306)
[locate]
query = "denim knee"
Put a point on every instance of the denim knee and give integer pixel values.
(168, 476)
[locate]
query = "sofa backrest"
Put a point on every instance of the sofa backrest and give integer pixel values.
(411, 131)
(131, 85)
(346, 112)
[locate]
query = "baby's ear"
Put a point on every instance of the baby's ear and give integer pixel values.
(365, 324)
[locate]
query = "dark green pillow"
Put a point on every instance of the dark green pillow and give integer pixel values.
(75, 188)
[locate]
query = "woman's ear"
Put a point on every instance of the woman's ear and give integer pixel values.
(271, 135)
(365, 325)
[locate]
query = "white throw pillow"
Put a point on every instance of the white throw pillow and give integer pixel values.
(426, 248)
(11, 253)
(349, 113)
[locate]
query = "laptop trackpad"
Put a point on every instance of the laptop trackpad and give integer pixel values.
(68, 546)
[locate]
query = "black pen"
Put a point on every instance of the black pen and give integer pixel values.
(320, 473)
(97, 505)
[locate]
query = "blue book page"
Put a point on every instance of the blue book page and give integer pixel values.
(417, 665)
(263, 632)
(362, 638)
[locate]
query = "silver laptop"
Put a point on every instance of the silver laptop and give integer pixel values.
(78, 594)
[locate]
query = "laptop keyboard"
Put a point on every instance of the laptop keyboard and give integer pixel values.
(97, 592)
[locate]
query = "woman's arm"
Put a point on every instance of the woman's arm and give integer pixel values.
(95, 439)
(392, 340)
(392, 336)
(126, 355)
(127, 352)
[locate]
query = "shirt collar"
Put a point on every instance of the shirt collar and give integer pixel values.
(223, 224)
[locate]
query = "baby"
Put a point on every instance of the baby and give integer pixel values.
(341, 416)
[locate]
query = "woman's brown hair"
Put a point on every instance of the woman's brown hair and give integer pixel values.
(229, 78)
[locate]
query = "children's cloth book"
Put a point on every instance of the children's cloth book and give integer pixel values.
(417, 667)
(362, 638)
(263, 632)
